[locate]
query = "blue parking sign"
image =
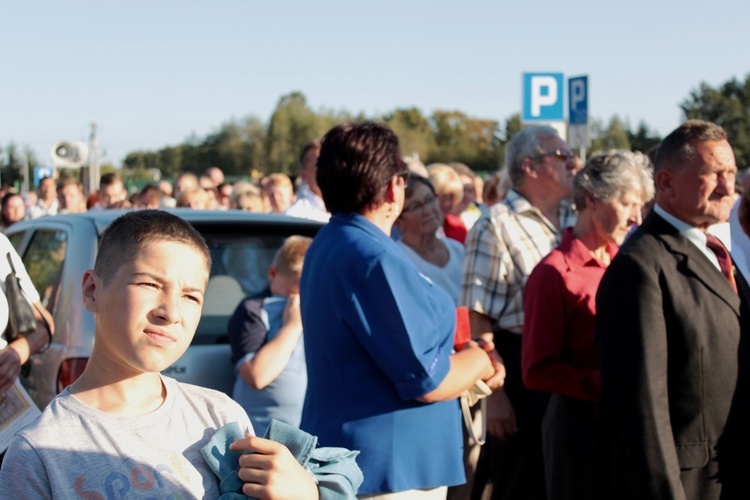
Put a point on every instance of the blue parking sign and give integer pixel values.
(578, 100)
(40, 172)
(543, 97)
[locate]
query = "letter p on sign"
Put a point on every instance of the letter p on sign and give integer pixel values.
(542, 97)
(543, 93)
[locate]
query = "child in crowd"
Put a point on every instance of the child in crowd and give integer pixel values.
(265, 333)
(122, 429)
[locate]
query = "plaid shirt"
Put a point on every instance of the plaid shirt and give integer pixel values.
(501, 251)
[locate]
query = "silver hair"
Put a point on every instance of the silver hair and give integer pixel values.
(612, 173)
(526, 144)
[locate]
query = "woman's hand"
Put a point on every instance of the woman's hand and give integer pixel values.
(497, 380)
(501, 418)
(272, 472)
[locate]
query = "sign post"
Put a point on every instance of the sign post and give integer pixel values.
(578, 114)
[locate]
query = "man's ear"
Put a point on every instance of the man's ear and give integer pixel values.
(272, 272)
(663, 181)
(527, 165)
(89, 286)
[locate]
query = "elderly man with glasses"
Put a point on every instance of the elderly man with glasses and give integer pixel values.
(502, 249)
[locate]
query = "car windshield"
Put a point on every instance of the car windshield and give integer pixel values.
(239, 269)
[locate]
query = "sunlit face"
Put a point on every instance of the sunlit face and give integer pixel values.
(281, 283)
(308, 169)
(71, 198)
(48, 189)
(14, 209)
(279, 197)
(700, 192)
(556, 173)
(613, 219)
(112, 194)
(421, 213)
(185, 183)
(147, 314)
(470, 193)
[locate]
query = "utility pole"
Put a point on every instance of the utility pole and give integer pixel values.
(25, 182)
(92, 184)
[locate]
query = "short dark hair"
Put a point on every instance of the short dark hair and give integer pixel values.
(129, 233)
(108, 179)
(679, 146)
(355, 163)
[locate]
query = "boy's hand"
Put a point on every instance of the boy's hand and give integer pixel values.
(272, 473)
(292, 315)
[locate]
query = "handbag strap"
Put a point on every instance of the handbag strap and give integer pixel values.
(469, 421)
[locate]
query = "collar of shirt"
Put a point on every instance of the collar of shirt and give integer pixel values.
(518, 204)
(692, 233)
(361, 222)
(577, 254)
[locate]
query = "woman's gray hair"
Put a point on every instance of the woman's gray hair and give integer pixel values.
(612, 173)
(526, 144)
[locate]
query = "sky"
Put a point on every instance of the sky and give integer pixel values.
(151, 73)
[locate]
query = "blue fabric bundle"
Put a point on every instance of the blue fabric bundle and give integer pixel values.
(334, 469)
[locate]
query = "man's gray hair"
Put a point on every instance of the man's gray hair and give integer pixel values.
(526, 144)
(612, 173)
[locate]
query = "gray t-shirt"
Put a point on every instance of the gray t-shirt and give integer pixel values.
(74, 451)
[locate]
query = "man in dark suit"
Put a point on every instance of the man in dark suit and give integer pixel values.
(669, 323)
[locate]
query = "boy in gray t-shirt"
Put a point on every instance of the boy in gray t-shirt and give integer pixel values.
(122, 429)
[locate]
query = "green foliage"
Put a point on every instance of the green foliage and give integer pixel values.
(729, 106)
(241, 147)
(614, 136)
(12, 163)
(643, 138)
(413, 130)
(464, 139)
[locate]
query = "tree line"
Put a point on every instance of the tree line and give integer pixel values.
(242, 147)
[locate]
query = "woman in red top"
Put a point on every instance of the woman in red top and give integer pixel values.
(558, 354)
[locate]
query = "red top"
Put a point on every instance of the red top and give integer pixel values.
(559, 351)
(454, 228)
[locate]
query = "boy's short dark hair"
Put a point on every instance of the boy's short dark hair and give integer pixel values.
(290, 257)
(132, 231)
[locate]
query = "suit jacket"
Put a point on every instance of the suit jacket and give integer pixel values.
(668, 330)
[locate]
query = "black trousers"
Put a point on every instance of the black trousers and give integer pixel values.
(515, 468)
(577, 451)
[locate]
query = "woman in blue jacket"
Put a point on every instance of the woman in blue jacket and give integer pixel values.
(382, 378)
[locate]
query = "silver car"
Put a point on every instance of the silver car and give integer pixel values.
(57, 250)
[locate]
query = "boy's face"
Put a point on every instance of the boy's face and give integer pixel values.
(282, 284)
(147, 314)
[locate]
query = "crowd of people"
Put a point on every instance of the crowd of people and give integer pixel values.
(641, 401)
(605, 316)
(273, 193)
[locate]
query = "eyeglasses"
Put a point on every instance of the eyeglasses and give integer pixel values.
(419, 205)
(560, 154)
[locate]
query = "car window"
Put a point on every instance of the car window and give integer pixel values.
(239, 269)
(16, 239)
(44, 260)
